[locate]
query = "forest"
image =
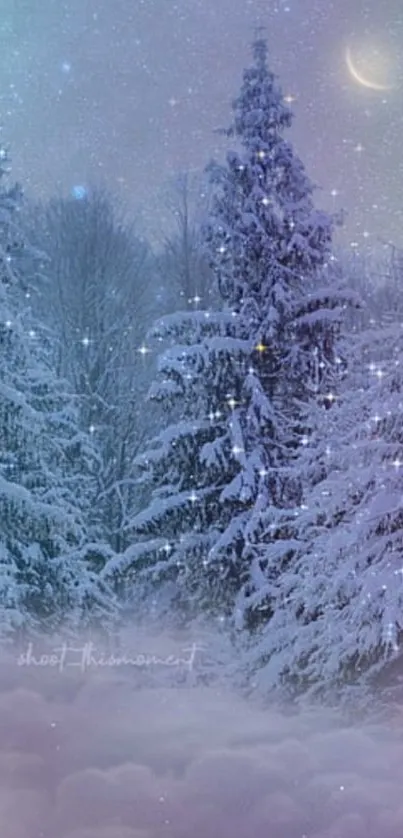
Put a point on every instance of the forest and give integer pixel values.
(206, 430)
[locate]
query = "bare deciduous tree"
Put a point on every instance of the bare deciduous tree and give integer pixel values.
(94, 294)
(186, 276)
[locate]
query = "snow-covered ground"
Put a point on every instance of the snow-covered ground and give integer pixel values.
(111, 752)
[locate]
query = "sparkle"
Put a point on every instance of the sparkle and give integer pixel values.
(237, 450)
(359, 148)
(222, 249)
(289, 99)
(85, 342)
(397, 463)
(91, 429)
(143, 350)
(260, 347)
(167, 548)
(261, 155)
(193, 497)
(231, 402)
(334, 193)
(214, 414)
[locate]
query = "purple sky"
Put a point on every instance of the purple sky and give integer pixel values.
(130, 91)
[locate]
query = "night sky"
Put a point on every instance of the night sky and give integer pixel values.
(130, 91)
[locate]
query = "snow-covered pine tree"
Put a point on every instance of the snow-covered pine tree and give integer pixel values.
(46, 472)
(337, 611)
(242, 373)
(271, 251)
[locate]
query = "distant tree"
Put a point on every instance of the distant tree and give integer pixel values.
(182, 265)
(242, 374)
(94, 295)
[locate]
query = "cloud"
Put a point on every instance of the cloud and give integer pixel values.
(146, 752)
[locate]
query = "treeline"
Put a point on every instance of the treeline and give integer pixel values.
(208, 428)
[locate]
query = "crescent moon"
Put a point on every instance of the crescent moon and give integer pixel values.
(360, 78)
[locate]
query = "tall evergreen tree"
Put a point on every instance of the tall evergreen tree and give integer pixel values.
(242, 374)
